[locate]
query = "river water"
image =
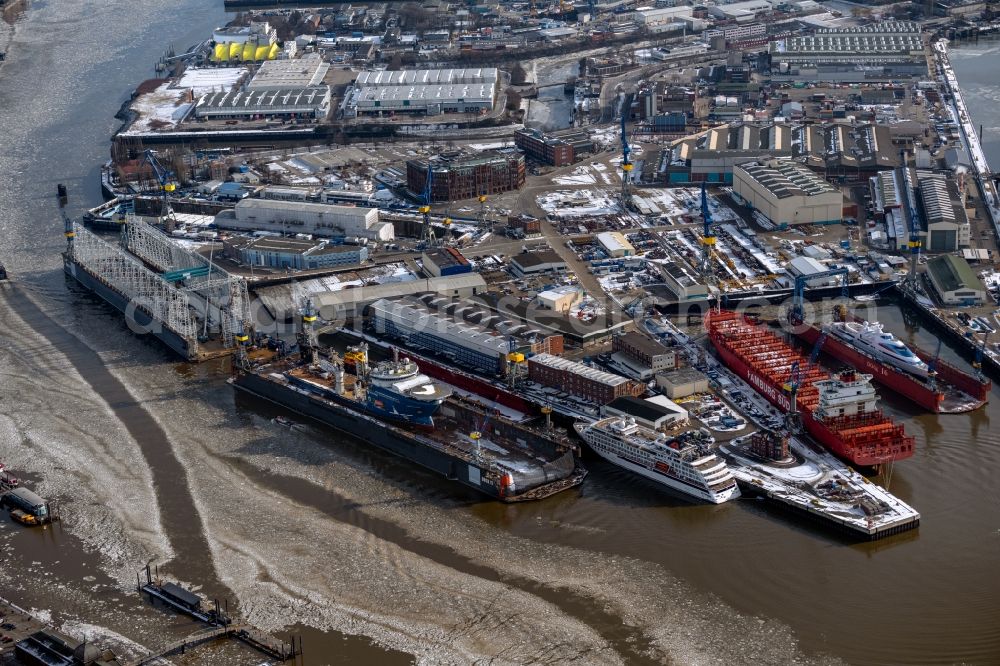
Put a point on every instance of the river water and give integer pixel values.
(976, 64)
(376, 562)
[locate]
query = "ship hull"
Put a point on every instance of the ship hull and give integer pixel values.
(402, 408)
(392, 439)
(379, 407)
(479, 386)
(793, 488)
(864, 456)
(688, 490)
(137, 319)
(909, 387)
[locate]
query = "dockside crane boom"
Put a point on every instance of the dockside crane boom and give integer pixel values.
(166, 180)
(427, 231)
(707, 236)
(626, 161)
(980, 350)
(797, 312)
(914, 242)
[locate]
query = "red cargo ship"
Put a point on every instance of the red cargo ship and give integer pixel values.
(840, 412)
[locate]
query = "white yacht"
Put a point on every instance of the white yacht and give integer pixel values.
(680, 463)
(871, 339)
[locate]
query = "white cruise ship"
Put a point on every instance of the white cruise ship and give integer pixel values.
(677, 463)
(872, 339)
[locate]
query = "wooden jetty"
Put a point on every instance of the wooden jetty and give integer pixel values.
(219, 624)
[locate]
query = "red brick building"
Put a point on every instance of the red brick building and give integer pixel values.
(458, 177)
(580, 380)
(645, 350)
(549, 150)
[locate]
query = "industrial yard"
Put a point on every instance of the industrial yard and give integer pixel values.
(486, 294)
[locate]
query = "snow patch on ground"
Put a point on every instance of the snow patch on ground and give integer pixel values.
(163, 108)
(579, 203)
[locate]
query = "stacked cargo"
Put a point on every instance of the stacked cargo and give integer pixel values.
(840, 412)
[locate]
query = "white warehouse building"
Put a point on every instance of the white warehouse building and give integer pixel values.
(427, 91)
(654, 16)
(787, 193)
(296, 217)
(302, 72)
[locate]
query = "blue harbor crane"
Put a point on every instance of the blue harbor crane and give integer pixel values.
(427, 232)
(795, 377)
(914, 242)
(978, 363)
(814, 355)
(792, 387)
(932, 367)
(797, 313)
(707, 236)
(626, 161)
(166, 181)
(69, 231)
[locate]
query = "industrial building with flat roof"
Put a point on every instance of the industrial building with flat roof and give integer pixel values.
(464, 344)
(293, 253)
(682, 382)
(445, 261)
(683, 285)
(296, 217)
(835, 148)
(282, 301)
(458, 176)
(461, 331)
(879, 43)
(929, 203)
(428, 91)
(307, 102)
(544, 148)
(883, 51)
(534, 263)
(654, 16)
(955, 282)
(787, 193)
(302, 72)
(657, 413)
(580, 380)
(645, 350)
(615, 244)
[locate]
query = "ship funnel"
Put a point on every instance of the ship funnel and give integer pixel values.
(338, 379)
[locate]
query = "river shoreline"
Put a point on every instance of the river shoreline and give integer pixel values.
(9, 13)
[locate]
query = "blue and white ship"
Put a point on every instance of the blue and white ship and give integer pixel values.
(871, 338)
(398, 390)
(393, 390)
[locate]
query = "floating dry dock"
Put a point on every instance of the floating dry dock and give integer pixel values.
(162, 288)
(816, 483)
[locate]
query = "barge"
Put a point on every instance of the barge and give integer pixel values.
(814, 483)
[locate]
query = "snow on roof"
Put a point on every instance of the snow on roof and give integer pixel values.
(213, 79)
